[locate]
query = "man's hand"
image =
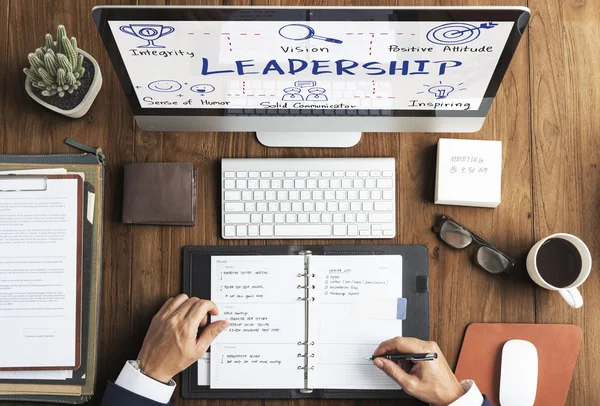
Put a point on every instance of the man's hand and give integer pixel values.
(171, 345)
(431, 381)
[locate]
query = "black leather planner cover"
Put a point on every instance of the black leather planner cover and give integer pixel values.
(196, 282)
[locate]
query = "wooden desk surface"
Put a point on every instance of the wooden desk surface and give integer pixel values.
(546, 115)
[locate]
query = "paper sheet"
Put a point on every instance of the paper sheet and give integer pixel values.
(258, 295)
(40, 375)
(342, 335)
(38, 276)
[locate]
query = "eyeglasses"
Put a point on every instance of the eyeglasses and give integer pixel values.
(487, 256)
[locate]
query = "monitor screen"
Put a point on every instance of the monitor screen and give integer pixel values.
(352, 65)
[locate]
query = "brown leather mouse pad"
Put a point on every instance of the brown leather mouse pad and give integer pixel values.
(557, 346)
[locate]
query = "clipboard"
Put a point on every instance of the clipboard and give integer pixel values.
(38, 183)
(415, 288)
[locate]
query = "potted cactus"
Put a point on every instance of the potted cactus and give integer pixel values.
(62, 77)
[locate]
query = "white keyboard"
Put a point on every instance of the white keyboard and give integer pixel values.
(308, 198)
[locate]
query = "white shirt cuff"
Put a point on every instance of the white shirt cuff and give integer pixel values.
(472, 396)
(134, 381)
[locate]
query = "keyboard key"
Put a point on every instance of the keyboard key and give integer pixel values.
(288, 184)
(351, 174)
(365, 195)
(253, 184)
(278, 174)
(376, 233)
(338, 218)
(266, 230)
(335, 183)
(375, 174)
(273, 206)
(229, 184)
(261, 206)
(326, 218)
(233, 195)
(370, 183)
(264, 184)
(317, 195)
(311, 183)
(237, 218)
(285, 206)
(388, 173)
(326, 174)
(332, 206)
(367, 206)
(375, 194)
(305, 230)
(350, 218)
(388, 233)
(300, 184)
(338, 174)
(279, 218)
(290, 174)
(353, 195)
(363, 174)
(229, 175)
(308, 206)
(384, 206)
(364, 233)
(329, 195)
(359, 183)
(294, 195)
(346, 183)
(259, 195)
(361, 218)
(246, 195)
(321, 206)
(255, 218)
(276, 184)
(252, 231)
(388, 195)
(241, 174)
(296, 206)
(241, 231)
(253, 174)
(323, 183)
(356, 206)
(302, 174)
(265, 174)
(282, 195)
(229, 231)
(381, 218)
(352, 229)
(302, 218)
(250, 207)
(343, 206)
(315, 217)
(234, 206)
(241, 184)
(385, 183)
(267, 218)
(339, 229)
(270, 195)
(314, 174)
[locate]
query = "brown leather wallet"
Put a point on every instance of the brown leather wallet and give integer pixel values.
(160, 193)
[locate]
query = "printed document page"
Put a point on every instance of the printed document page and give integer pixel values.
(258, 295)
(38, 276)
(355, 308)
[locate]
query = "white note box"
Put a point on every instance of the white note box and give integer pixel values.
(469, 173)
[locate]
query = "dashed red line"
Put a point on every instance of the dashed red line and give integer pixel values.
(373, 84)
(230, 47)
(371, 44)
(243, 86)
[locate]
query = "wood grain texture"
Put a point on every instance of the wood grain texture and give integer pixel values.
(545, 114)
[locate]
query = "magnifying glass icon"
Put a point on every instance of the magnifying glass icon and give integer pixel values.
(300, 32)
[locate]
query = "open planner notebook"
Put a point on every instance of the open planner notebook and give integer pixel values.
(304, 321)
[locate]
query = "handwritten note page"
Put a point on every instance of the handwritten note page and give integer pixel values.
(258, 295)
(346, 322)
(38, 276)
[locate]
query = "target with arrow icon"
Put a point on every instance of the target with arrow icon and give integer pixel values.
(457, 33)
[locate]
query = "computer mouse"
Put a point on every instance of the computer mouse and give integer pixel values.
(518, 373)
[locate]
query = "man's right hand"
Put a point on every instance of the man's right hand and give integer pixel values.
(431, 381)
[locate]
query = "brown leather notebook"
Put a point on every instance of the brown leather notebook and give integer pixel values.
(160, 193)
(557, 346)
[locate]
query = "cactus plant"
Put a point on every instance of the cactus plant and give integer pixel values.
(57, 67)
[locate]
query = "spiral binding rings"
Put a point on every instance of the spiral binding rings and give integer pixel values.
(306, 367)
(306, 343)
(301, 275)
(311, 299)
(305, 286)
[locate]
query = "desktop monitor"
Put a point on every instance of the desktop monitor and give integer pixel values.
(313, 76)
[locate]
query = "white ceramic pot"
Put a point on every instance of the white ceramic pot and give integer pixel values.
(87, 101)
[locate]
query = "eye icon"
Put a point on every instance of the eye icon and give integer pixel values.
(164, 86)
(202, 88)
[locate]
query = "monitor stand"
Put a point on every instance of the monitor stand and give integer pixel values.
(309, 139)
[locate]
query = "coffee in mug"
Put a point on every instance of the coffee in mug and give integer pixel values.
(560, 262)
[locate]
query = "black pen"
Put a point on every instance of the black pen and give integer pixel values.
(428, 356)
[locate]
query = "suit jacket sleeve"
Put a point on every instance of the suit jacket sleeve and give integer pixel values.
(486, 402)
(117, 396)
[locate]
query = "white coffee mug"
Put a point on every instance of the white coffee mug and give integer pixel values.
(569, 293)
